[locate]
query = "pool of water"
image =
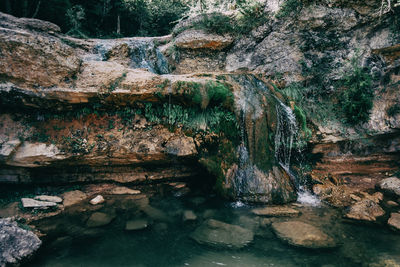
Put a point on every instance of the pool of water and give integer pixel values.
(167, 242)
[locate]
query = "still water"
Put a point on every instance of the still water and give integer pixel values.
(167, 242)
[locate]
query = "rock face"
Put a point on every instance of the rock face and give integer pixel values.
(300, 234)
(390, 186)
(198, 39)
(365, 210)
(219, 234)
(16, 244)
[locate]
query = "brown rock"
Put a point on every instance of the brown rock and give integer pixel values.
(198, 39)
(394, 221)
(277, 211)
(73, 197)
(365, 210)
(300, 234)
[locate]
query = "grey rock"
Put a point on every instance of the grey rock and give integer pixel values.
(301, 234)
(219, 234)
(138, 224)
(32, 203)
(390, 186)
(54, 199)
(16, 244)
(99, 219)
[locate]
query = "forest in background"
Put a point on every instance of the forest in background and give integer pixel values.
(102, 18)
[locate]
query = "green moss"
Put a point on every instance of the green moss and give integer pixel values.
(288, 8)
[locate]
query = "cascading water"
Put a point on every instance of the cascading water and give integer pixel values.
(286, 134)
(143, 53)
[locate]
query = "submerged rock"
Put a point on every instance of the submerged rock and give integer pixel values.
(16, 244)
(390, 186)
(223, 235)
(276, 211)
(138, 224)
(189, 215)
(301, 234)
(32, 203)
(98, 219)
(365, 210)
(394, 221)
(54, 199)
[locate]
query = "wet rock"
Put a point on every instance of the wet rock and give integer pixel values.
(122, 190)
(138, 224)
(198, 39)
(197, 200)
(365, 210)
(276, 211)
(32, 203)
(97, 200)
(392, 203)
(219, 234)
(209, 213)
(189, 215)
(9, 210)
(73, 197)
(98, 219)
(248, 222)
(390, 186)
(394, 221)
(16, 244)
(385, 260)
(54, 199)
(301, 234)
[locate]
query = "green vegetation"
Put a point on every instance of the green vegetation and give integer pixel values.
(357, 99)
(288, 8)
(393, 110)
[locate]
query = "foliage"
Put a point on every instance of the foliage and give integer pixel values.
(357, 99)
(288, 8)
(75, 16)
(393, 110)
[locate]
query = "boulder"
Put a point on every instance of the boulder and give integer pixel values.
(32, 203)
(7, 148)
(222, 235)
(138, 224)
(390, 186)
(276, 211)
(99, 219)
(199, 39)
(301, 234)
(122, 190)
(97, 200)
(73, 197)
(364, 210)
(394, 221)
(54, 199)
(16, 244)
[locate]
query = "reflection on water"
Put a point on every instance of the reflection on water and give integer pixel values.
(167, 242)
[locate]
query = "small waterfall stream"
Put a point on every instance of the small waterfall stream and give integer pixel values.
(286, 134)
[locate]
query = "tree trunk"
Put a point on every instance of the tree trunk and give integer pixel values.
(119, 25)
(36, 10)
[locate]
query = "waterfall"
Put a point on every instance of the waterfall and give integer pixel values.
(286, 134)
(143, 53)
